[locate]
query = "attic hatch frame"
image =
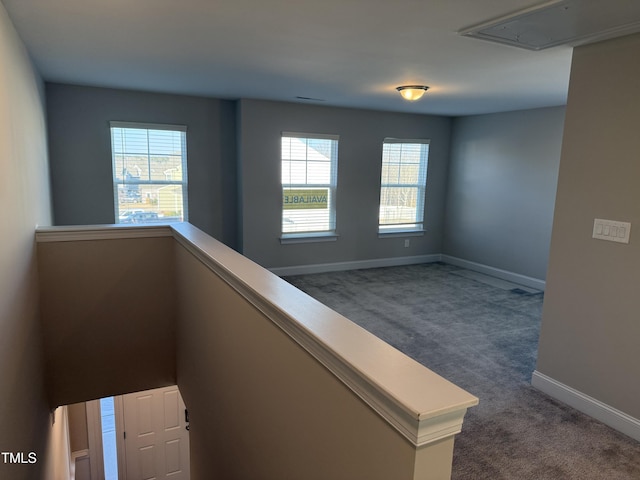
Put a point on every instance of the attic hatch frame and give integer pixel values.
(560, 22)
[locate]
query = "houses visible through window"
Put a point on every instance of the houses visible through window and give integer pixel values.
(309, 176)
(149, 165)
(403, 185)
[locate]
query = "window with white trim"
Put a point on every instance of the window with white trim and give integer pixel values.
(309, 177)
(403, 185)
(149, 164)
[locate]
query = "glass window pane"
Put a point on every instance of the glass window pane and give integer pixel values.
(390, 173)
(319, 149)
(409, 174)
(165, 142)
(319, 173)
(402, 185)
(392, 152)
(286, 174)
(297, 172)
(134, 142)
(150, 203)
(165, 167)
(141, 159)
(298, 149)
(109, 444)
(308, 163)
(398, 205)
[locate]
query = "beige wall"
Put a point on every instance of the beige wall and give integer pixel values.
(59, 457)
(591, 320)
(78, 435)
(108, 312)
(24, 196)
(127, 314)
(268, 409)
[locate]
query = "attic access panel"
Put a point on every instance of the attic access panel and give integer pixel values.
(559, 22)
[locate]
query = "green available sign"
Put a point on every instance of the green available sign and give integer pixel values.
(312, 198)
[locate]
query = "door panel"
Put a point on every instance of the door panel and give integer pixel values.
(172, 456)
(156, 440)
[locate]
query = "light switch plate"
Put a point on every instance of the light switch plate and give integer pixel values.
(611, 230)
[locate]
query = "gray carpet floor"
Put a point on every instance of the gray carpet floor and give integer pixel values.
(483, 336)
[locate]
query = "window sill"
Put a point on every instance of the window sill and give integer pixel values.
(401, 233)
(308, 238)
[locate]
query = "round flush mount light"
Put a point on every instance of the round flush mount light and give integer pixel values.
(412, 92)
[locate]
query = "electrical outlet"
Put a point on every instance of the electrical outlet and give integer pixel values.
(407, 242)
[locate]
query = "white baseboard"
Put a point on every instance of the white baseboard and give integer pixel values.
(355, 265)
(616, 419)
(397, 261)
(495, 272)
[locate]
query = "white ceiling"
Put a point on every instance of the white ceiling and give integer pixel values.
(346, 52)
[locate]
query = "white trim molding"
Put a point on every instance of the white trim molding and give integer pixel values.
(608, 415)
(101, 232)
(80, 462)
(288, 238)
(94, 434)
(400, 233)
(354, 265)
(147, 126)
(495, 272)
(80, 454)
(413, 260)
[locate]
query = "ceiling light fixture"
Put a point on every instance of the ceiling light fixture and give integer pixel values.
(412, 92)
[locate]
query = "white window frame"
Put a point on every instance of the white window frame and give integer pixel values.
(183, 182)
(316, 235)
(415, 227)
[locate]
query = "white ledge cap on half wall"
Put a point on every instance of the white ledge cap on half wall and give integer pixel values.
(421, 405)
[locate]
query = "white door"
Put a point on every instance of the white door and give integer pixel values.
(156, 439)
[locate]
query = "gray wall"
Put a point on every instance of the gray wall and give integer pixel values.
(499, 184)
(362, 132)
(24, 191)
(591, 318)
(501, 189)
(80, 153)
